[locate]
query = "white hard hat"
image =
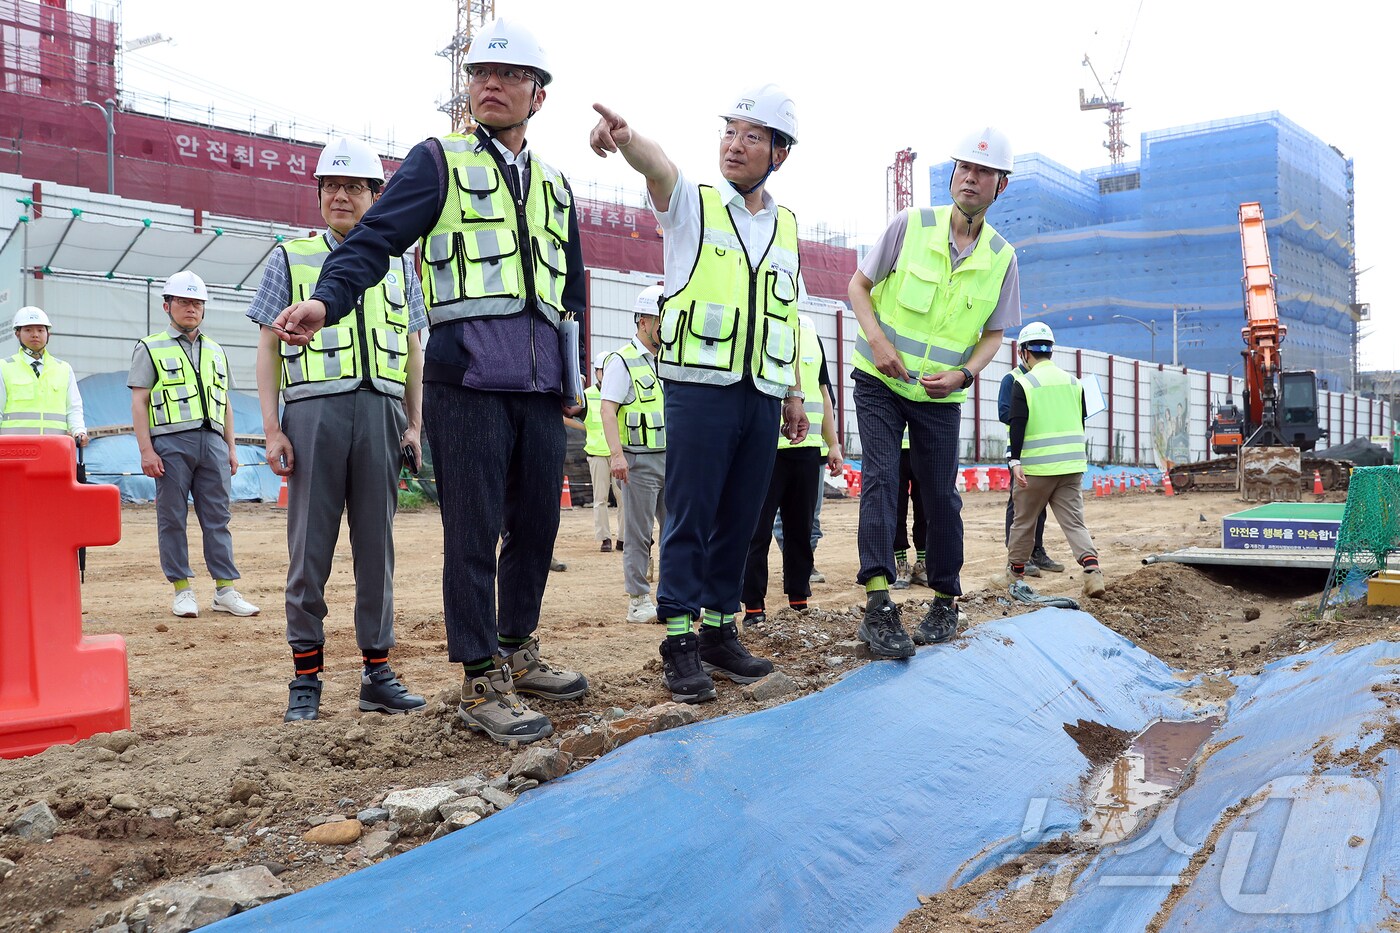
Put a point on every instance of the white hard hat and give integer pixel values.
(598, 359)
(28, 315)
(767, 105)
(185, 285)
(986, 146)
(503, 42)
(1036, 333)
(649, 301)
(351, 158)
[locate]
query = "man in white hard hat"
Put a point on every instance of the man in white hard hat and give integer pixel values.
(634, 426)
(183, 421)
(503, 265)
(595, 448)
(932, 299)
(1048, 457)
(1040, 559)
(353, 410)
(728, 356)
(38, 391)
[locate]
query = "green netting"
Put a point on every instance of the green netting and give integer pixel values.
(1369, 533)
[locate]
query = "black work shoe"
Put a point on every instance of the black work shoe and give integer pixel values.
(680, 662)
(1045, 562)
(380, 691)
(721, 653)
(752, 619)
(881, 630)
(619, 544)
(938, 626)
(304, 699)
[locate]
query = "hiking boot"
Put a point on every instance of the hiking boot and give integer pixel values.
(1031, 569)
(1093, 584)
(491, 705)
(817, 576)
(229, 600)
(640, 609)
(721, 653)
(752, 619)
(901, 575)
(186, 606)
(606, 546)
(680, 663)
(381, 692)
(303, 700)
(534, 677)
(938, 626)
(919, 575)
(557, 564)
(1044, 561)
(880, 629)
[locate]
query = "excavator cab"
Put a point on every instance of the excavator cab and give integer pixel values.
(1297, 409)
(1227, 428)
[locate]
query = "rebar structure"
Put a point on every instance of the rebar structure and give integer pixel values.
(899, 183)
(471, 15)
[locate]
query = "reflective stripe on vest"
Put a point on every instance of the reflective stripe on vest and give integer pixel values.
(182, 398)
(809, 359)
(642, 421)
(472, 256)
(339, 357)
(932, 313)
(595, 443)
(734, 318)
(1054, 444)
(35, 404)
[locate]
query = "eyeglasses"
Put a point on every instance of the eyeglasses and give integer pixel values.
(508, 74)
(750, 139)
(352, 189)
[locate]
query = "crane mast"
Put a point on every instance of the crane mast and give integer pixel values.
(471, 16)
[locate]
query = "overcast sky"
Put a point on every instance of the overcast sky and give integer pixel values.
(899, 75)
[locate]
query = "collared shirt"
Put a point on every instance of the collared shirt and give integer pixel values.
(275, 290)
(617, 379)
(142, 374)
(76, 424)
(880, 262)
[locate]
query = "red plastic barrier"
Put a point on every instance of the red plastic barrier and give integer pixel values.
(56, 684)
(998, 478)
(970, 479)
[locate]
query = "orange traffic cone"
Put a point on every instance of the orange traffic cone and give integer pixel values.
(282, 495)
(1167, 489)
(1317, 483)
(566, 501)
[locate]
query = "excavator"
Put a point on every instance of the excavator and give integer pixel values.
(1263, 441)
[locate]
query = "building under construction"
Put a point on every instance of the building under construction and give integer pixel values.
(1142, 259)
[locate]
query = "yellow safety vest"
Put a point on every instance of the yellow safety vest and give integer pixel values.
(1054, 444)
(339, 358)
(931, 312)
(35, 405)
(487, 255)
(595, 443)
(809, 351)
(184, 398)
(734, 318)
(642, 421)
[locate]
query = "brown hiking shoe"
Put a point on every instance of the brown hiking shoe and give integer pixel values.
(536, 678)
(1093, 584)
(491, 705)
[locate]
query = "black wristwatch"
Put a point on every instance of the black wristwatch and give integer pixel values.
(967, 377)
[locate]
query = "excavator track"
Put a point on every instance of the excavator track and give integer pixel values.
(1222, 475)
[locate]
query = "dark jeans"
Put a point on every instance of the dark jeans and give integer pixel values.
(793, 491)
(499, 460)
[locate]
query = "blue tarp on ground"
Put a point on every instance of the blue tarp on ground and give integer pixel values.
(117, 460)
(831, 813)
(1317, 851)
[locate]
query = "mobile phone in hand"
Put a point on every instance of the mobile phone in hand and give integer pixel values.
(410, 459)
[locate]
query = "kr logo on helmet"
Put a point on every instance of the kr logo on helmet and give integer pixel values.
(744, 104)
(340, 160)
(498, 43)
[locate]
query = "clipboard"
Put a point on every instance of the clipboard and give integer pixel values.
(1094, 402)
(568, 350)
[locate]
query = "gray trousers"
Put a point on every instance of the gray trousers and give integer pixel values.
(643, 507)
(601, 475)
(196, 465)
(347, 458)
(1066, 500)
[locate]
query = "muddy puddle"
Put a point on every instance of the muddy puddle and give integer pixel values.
(1143, 776)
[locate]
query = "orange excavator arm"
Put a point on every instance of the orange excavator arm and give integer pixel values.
(1262, 333)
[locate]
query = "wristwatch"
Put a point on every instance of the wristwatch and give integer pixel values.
(795, 394)
(1013, 463)
(967, 377)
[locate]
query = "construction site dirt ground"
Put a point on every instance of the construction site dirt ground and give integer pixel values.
(207, 694)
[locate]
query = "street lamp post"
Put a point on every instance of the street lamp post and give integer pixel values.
(109, 111)
(1178, 313)
(1151, 329)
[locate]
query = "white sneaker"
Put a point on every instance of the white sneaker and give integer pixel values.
(185, 606)
(230, 601)
(640, 609)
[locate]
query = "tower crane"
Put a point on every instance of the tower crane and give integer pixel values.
(899, 183)
(471, 16)
(1107, 99)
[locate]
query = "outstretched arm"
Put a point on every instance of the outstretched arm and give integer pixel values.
(613, 134)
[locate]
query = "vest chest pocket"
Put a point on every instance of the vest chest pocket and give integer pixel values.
(25, 391)
(919, 289)
(710, 333)
(477, 188)
(170, 404)
(558, 200)
(492, 265)
(442, 253)
(779, 351)
(327, 357)
(392, 347)
(395, 298)
(646, 387)
(782, 287)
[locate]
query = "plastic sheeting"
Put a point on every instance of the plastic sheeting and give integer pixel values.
(831, 812)
(1316, 849)
(117, 459)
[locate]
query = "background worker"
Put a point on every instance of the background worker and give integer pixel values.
(731, 268)
(38, 391)
(180, 384)
(795, 488)
(595, 448)
(354, 402)
(634, 425)
(1048, 457)
(932, 298)
(906, 573)
(1039, 559)
(504, 266)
